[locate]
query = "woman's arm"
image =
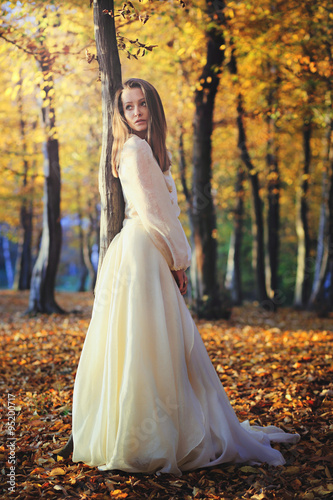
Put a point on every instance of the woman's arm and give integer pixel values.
(144, 186)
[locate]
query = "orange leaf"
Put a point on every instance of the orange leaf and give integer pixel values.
(58, 471)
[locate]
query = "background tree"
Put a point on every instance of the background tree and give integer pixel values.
(258, 221)
(44, 272)
(233, 281)
(45, 36)
(26, 212)
(203, 209)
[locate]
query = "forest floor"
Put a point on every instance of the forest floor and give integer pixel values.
(276, 368)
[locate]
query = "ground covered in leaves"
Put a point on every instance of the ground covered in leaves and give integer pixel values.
(276, 368)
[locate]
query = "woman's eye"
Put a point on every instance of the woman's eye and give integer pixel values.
(143, 103)
(128, 106)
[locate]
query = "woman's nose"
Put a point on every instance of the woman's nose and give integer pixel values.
(136, 112)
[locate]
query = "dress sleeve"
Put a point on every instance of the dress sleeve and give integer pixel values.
(144, 186)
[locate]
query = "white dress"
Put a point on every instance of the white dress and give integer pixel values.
(146, 395)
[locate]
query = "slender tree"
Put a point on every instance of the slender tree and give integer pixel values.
(112, 203)
(320, 295)
(203, 211)
(273, 186)
(258, 222)
(233, 281)
(26, 211)
(322, 289)
(84, 270)
(302, 286)
(43, 278)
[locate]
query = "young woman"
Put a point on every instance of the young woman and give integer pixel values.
(146, 396)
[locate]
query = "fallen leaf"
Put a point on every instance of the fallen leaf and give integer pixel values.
(249, 469)
(58, 471)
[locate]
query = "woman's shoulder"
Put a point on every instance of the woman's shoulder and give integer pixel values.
(135, 143)
(135, 153)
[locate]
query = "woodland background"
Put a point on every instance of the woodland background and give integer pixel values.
(247, 89)
(269, 178)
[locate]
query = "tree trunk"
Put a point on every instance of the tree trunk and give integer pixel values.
(188, 196)
(112, 202)
(182, 170)
(87, 261)
(203, 210)
(233, 281)
(25, 260)
(320, 295)
(322, 241)
(92, 245)
(328, 280)
(26, 211)
(273, 218)
(45, 269)
(83, 268)
(91, 241)
(302, 286)
(257, 223)
(8, 261)
(92, 236)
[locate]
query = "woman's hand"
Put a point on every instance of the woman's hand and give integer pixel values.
(181, 280)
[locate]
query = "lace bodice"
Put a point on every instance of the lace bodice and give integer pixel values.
(151, 196)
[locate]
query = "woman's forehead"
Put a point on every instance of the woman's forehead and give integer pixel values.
(131, 95)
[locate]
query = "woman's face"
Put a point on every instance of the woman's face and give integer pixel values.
(135, 111)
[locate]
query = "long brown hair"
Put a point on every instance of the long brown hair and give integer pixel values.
(157, 127)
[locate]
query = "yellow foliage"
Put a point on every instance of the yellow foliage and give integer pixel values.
(268, 44)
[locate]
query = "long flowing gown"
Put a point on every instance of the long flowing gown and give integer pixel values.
(146, 395)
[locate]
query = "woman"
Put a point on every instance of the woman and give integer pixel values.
(146, 396)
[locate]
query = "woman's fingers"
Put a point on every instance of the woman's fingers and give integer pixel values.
(183, 288)
(185, 283)
(181, 280)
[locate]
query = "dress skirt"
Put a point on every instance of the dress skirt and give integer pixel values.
(146, 395)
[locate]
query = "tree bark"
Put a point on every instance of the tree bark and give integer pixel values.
(8, 261)
(258, 223)
(92, 236)
(92, 242)
(322, 290)
(182, 170)
(328, 280)
(26, 212)
(112, 202)
(188, 196)
(233, 281)
(87, 261)
(45, 269)
(203, 211)
(322, 241)
(302, 286)
(83, 268)
(26, 216)
(321, 295)
(273, 218)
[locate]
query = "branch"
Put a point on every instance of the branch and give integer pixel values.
(34, 54)
(17, 45)
(21, 174)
